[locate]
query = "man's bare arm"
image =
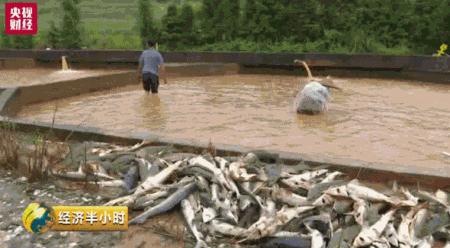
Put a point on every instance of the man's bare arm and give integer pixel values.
(139, 71)
(163, 74)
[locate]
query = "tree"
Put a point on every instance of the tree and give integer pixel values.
(22, 41)
(208, 20)
(188, 36)
(226, 19)
(249, 19)
(6, 41)
(54, 36)
(70, 30)
(147, 28)
(172, 28)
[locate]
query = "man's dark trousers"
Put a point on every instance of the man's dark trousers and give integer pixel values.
(151, 82)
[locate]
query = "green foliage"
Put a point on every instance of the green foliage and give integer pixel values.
(172, 28)
(54, 36)
(69, 34)
(188, 33)
(337, 26)
(71, 30)
(147, 28)
(22, 42)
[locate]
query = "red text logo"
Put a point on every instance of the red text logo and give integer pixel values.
(21, 18)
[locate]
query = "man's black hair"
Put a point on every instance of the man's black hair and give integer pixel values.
(151, 43)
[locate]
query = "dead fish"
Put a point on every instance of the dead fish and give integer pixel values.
(198, 171)
(150, 183)
(360, 212)
(342, 237)
(265, 224)
(303, 180)
(223, 203)
(426, 242)
(288, 197)
(131, 178)
(226, 229)
(432, 198)
(269, 223)
(81, 175)
(189, 214)
(355, 191)
(317, 240)
(208, 214)
(211, 167)
(317, 189)
(321, 222)
(245, 201)
(166, 204)
(411, 200)
(404, 236)
(391, 234)
(174, 157)
(324, 200)
(418, 223)
(287, 242)
(146, 168)
(239, 173)
(203, 184)
(331, 176)
(342, 206)
(149, 199)
(372, 233)
(380, 243)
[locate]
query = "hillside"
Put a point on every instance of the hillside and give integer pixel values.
(106, 23)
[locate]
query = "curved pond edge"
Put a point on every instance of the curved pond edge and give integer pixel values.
(413, 67)
(365, 171)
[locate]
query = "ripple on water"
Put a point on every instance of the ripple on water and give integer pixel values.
(375, 120)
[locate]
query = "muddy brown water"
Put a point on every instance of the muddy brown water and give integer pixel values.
(375, 120)
(32, 76)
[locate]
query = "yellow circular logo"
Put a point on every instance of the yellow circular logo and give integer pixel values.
(38, 218)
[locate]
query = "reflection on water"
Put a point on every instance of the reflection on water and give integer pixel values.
(20, 77)
(374, 120)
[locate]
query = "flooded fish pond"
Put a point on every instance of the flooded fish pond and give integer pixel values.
(374, 120)
(32, 76)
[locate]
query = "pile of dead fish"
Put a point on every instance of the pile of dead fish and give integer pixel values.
(255, 200)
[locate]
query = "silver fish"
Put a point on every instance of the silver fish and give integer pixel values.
(324, 200)
(303, 180)
(426, 242)
(317, 240)
(391, 234)
(380, 243)
(331, 176)
(146, 168)
(360, 212)
(149, 199)
(200, 161)
(288, 197)
(224, 205)
(372, 233)
(150, 183)
(208, 214)
(189, 214)
(226, 229)
(418, 223)
(166, 204)
(356, 191)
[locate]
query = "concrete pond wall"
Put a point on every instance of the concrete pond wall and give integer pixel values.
(196, 64)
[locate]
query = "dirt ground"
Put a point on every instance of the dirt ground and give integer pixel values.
(16, 193)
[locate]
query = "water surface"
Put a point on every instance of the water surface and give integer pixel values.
(374, 120)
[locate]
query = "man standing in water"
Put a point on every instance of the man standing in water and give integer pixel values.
(150, 64)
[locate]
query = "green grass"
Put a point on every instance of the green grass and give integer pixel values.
(105, 23)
